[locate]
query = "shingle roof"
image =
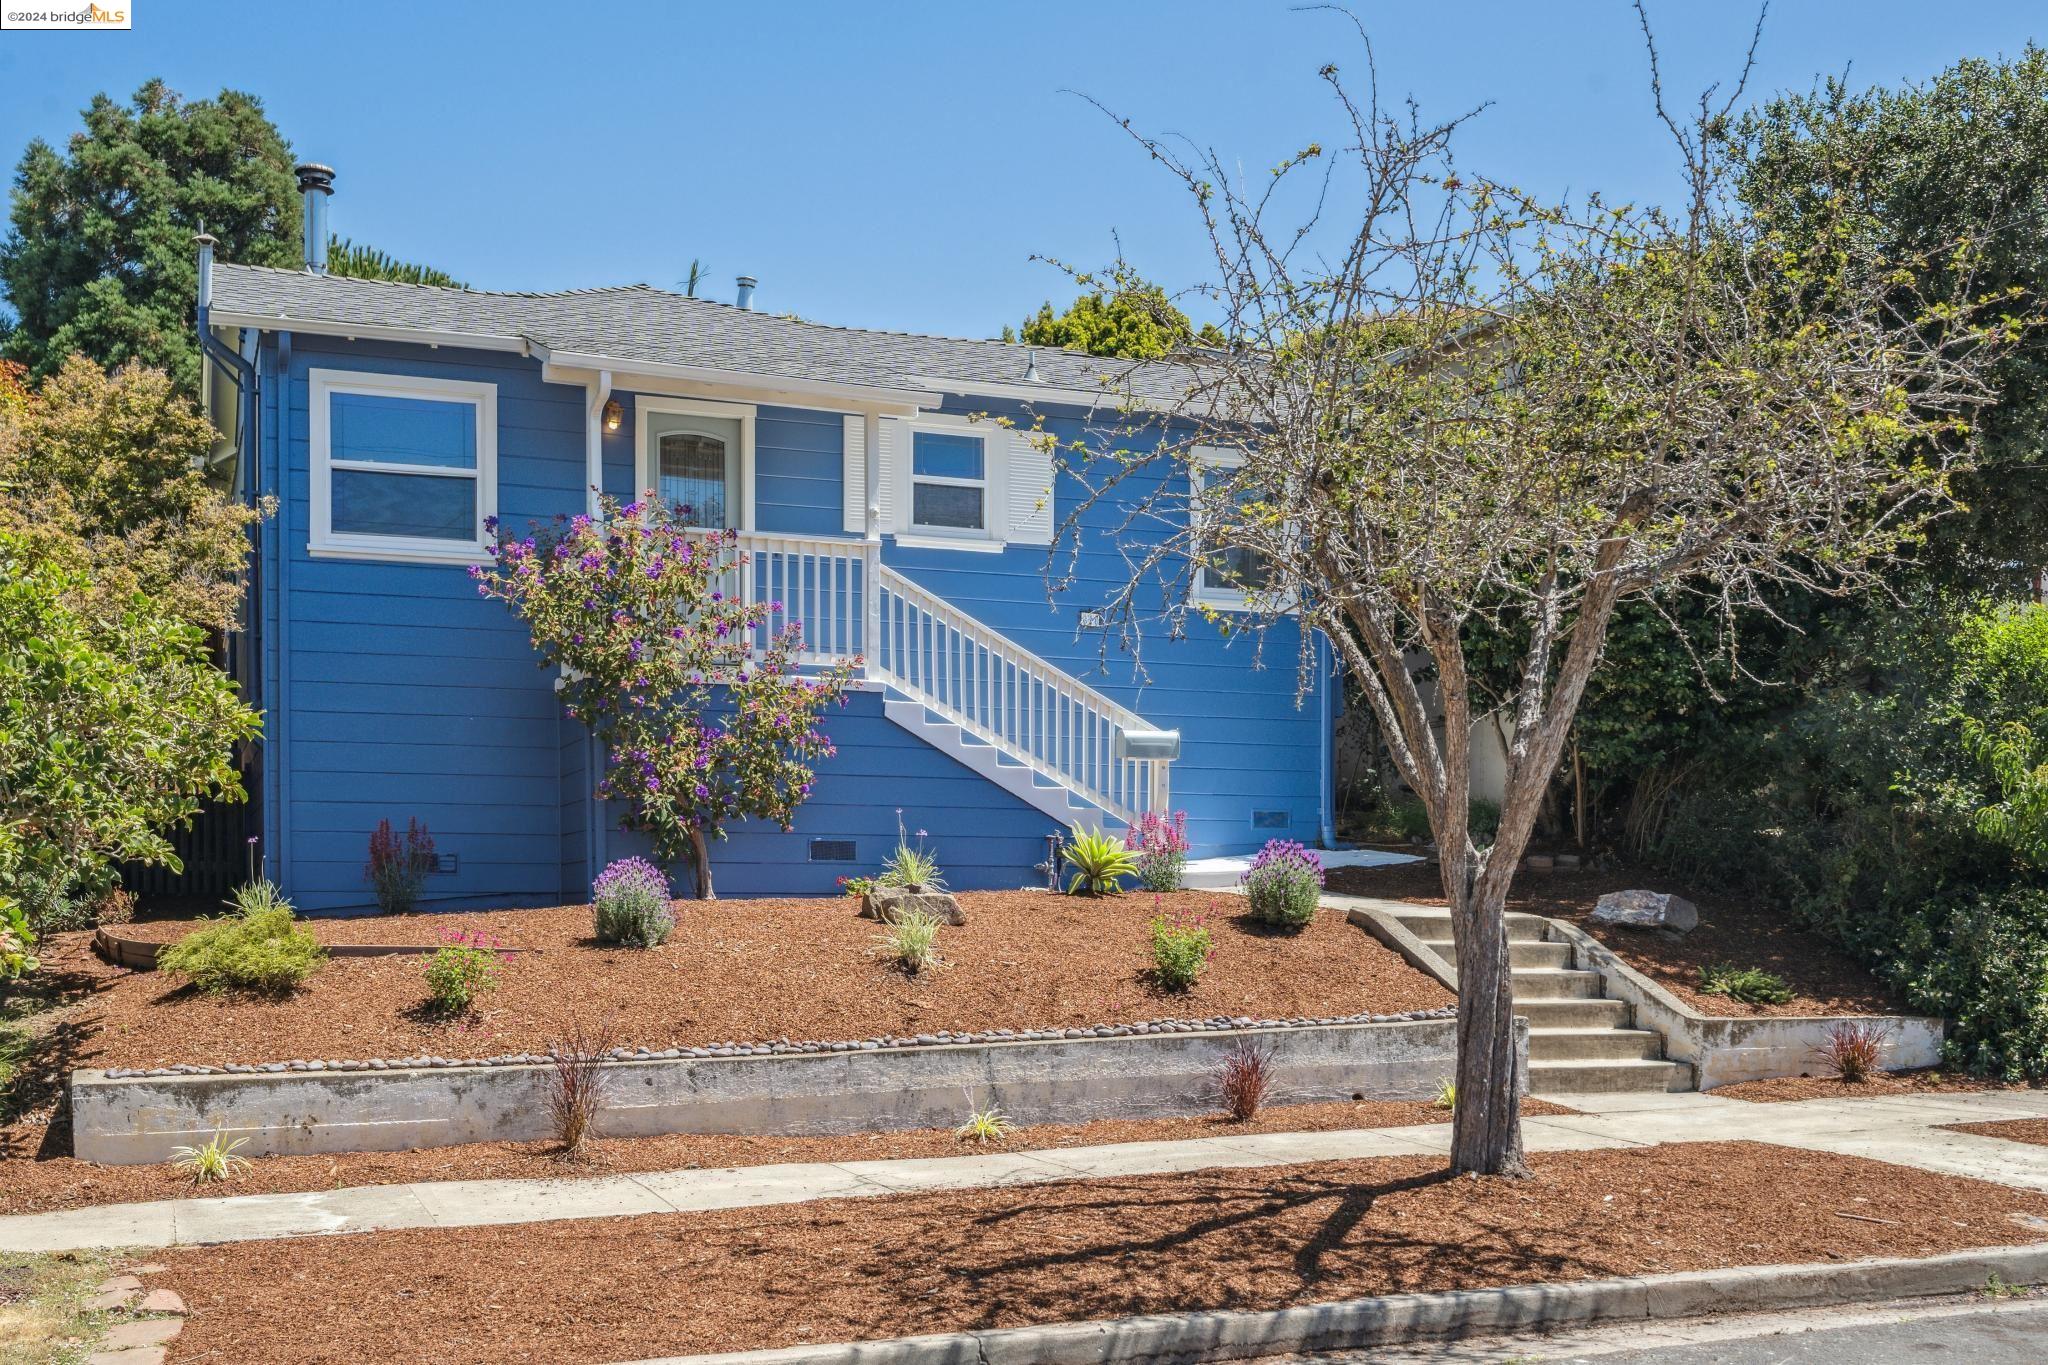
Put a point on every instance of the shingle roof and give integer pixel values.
(638, 323)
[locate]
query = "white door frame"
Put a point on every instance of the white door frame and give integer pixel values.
(644, 468)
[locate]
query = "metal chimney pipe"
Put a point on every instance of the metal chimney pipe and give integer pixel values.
(206, 242)
(316, 183)
(745, 298)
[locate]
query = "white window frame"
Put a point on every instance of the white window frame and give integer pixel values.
(645, 470)
(994, 442)
(324, 542)
(1203, 458)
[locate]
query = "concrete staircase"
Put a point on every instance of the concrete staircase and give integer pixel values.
(1580, 1042)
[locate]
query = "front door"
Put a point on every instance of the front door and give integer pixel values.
(695, 464)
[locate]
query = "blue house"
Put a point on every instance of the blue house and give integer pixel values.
(390, 421)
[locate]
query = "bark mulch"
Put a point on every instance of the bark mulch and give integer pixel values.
(628, 1288)
(1823, 979)
(1925, 1081)
(2033, 1131)
(749, 971)
(40, 1186)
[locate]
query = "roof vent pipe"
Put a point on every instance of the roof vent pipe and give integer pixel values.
(745, 298)
(316, 182)
(206, 242)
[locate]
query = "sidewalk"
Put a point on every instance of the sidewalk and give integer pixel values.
(1903, 1129)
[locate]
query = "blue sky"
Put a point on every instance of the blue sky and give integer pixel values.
(897, 165)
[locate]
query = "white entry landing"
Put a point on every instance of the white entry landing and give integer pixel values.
(1218, 874)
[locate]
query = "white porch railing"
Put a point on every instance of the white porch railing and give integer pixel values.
(960, 669)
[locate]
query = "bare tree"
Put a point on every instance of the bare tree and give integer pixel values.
(1446, 407)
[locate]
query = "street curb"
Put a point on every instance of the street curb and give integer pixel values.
(1399, 1318)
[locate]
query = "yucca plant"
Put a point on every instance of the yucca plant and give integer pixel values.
(1446, 1093)
(1099, 863)
(211, 1162)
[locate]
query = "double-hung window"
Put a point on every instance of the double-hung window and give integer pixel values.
(403, 467)
(949, 480)
(1227, 575)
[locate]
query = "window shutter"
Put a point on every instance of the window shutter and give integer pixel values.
(892, 463)
(853, 472)
(1030, 489)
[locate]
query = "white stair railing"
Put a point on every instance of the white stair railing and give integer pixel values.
(962, 670)
(1007, 697)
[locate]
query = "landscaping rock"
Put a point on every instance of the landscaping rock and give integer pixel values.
(891, 904)
(1647, 910)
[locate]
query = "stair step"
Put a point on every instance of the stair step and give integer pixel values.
(1592, 1078)
(1521, 952)
(1594, 1045)
(1428, 922)
(1554, 983)
(1574, 1013)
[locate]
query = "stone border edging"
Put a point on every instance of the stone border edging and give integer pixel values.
(140, 954)
(1395, 1319)
(783, 1047)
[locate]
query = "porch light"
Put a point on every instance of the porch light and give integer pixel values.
(614, 415)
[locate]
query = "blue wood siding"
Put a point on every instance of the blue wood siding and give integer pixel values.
(394, 690)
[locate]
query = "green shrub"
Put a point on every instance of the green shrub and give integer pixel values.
(1181, 948)
(1750, 985)
(15, 941)
(1100, 863)
(1862, 806)
(1284, 884)
(264, 951)
(464, 967)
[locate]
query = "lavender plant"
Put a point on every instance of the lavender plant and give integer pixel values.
(629, 904)
(1283, 884)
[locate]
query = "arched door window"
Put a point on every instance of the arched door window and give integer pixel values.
(692, 467)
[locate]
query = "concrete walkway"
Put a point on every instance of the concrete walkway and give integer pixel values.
(1900, 1129)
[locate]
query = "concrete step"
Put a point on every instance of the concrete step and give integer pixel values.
(1594, 1045)
(1521, 953)
(1574, 1013)
(1594, 1078)
(1554, 983)
(1427, 922)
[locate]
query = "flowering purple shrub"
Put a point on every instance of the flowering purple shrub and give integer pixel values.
(398, 867)
(701, 724)
(1161, 843)
(1284, 883)
(629, 904)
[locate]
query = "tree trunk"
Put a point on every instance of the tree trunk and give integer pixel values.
(1486, 1125)
(700, 858)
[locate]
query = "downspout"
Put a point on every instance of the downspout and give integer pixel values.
(1326, 794)
(281, 831)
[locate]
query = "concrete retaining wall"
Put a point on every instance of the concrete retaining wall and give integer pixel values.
(136, 1119)
(1725, 1049)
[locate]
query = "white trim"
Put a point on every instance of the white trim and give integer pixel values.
(1040, 393)
(324, 541)
(881, 394)
(972, 544)
(994, 468)
(645, 474)
(351, 331)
